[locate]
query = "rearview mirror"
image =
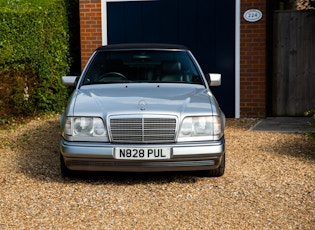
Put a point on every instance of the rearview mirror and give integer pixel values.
(214, 79)
(69, 80)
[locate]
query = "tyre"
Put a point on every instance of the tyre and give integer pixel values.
(218, 171)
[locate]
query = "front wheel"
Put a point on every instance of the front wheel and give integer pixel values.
(218, 171)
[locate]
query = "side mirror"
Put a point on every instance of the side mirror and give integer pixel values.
(69, 80)
(214, 79)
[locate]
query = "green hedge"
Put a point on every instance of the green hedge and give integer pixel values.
(34, 54)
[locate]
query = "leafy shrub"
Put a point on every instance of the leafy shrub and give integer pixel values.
(34, 54)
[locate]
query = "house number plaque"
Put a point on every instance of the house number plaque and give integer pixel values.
(252, 15)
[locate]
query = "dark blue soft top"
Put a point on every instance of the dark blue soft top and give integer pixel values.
(133, 46)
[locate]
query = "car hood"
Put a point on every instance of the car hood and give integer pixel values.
(176, 99)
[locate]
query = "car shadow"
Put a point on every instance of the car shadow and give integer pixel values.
(299, 146)
(38, 157)
(38, 150)
(295, 145)
(132, 178)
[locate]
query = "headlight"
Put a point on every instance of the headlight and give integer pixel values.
(201, 129)
(84, 129)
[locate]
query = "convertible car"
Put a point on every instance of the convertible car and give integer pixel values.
(142, 108)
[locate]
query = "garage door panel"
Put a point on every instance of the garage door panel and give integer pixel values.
(168, 20)
(206, 27)
(116, 22)
(150, 22)
(133, 21)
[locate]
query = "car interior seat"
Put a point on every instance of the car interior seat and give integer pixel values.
(172, 71)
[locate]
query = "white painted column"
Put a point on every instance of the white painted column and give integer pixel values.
(237, 59)
(104, 22)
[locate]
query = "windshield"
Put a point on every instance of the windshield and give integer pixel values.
(142, 66)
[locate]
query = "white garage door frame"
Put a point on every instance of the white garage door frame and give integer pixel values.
(237, 44)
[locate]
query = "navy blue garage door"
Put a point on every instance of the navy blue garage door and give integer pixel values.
(207, 27)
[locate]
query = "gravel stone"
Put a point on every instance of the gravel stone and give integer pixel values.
(269, 183)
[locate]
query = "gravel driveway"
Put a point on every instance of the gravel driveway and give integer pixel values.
(269, 184)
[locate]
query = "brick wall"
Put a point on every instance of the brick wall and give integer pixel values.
(90, 28)
(252, 52)
(253, 62)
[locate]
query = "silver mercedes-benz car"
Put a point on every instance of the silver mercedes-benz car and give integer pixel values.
(142, 108)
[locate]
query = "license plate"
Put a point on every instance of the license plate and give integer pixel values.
(142, 153)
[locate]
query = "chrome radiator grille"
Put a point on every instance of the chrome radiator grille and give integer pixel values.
(142, 129)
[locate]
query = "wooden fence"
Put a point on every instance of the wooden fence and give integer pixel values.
(293, 80)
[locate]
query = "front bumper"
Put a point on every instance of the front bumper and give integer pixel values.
(190, 156)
